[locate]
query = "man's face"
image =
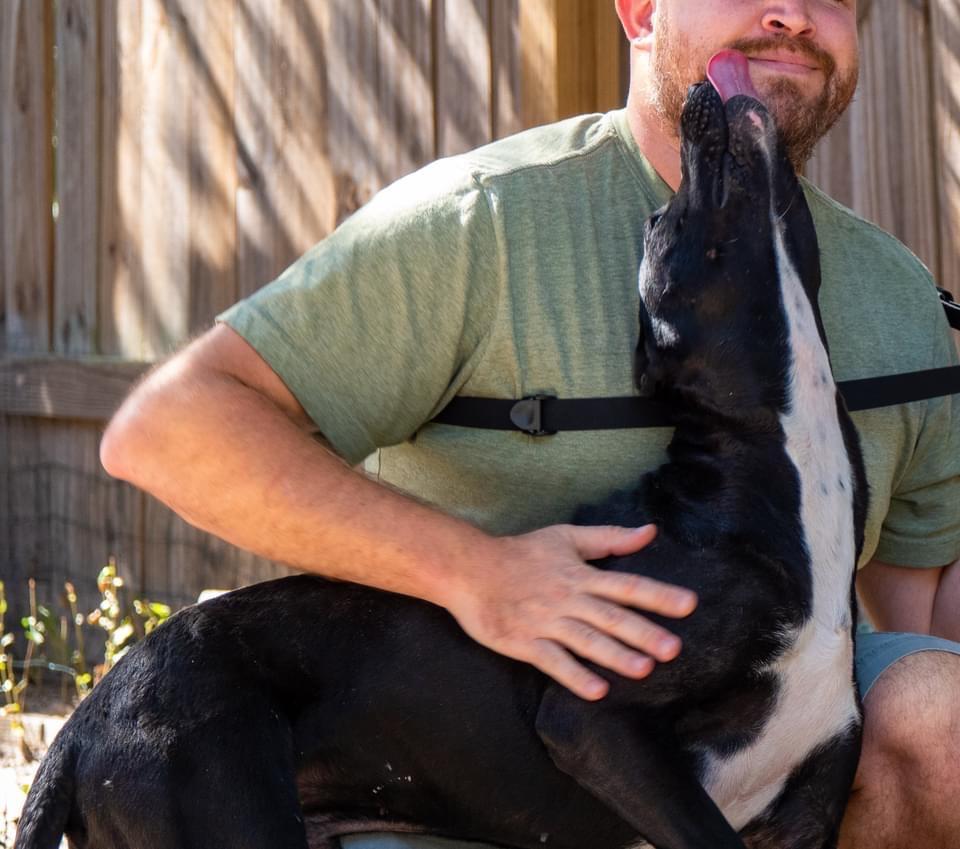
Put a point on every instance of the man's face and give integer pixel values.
(803, 58)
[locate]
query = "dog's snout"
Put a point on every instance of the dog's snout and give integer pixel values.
(701, 113)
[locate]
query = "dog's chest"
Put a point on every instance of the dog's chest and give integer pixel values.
(816, 699)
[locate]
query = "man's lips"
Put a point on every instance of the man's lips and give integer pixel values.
(785, 63)
(730, 70)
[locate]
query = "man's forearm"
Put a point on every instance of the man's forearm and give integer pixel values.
(215, 434)
(946, 607)
(200, 448)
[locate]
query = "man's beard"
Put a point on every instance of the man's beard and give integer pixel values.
(802, 121)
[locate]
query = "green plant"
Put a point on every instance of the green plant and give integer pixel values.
(83, 678)
(53, 645)
(14, 691)
(125, 621)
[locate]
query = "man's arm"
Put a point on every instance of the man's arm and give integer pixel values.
(216, 435)
(921, 601)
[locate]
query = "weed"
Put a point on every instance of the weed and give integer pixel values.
(125, 621)
(14, 691)
(55, 641)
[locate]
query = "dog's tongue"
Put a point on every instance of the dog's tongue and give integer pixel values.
(729, 71)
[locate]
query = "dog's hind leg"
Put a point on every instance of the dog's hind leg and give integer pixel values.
(637, 769)
(808, 812)
(236, 789)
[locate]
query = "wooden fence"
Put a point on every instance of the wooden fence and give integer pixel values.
(161, 158)
(895, 155)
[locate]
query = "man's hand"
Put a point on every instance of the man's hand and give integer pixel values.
(546, 602)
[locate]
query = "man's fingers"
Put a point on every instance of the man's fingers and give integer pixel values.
(559, 664)
(645, 593)
(629, 628)
(595, 645)
(596, 542)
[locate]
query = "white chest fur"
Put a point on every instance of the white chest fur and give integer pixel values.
(816, 699)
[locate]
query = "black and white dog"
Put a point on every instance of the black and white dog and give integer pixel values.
(285, 714)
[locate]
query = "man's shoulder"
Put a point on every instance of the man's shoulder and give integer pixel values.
(543, 147)
(451, 184)
(840, 229)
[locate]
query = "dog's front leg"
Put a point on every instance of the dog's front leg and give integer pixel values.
(626, 758)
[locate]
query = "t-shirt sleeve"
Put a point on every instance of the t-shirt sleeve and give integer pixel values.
(922, 527)
(375, 328)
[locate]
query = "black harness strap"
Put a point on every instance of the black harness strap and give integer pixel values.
(872, 392)
(540, 415)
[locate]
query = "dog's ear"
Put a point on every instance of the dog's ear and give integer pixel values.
(645, 360)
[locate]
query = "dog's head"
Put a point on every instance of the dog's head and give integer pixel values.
(712, 327)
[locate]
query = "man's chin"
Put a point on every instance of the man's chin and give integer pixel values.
(801, 119)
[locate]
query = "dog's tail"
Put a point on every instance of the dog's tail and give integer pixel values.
(49, 801)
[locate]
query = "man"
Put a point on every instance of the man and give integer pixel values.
(512, 271)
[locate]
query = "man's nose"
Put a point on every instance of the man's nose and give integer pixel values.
(789, 17)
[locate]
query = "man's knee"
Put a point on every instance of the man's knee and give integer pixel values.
(911, 720)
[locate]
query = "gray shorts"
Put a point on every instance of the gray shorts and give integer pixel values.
(876, 652)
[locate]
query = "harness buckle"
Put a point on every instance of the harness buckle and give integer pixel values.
(951, 307)
(527, 414)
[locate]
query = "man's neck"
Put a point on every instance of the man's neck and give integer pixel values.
(661, 148)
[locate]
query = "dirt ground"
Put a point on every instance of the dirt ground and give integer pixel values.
(13, 778)
(46, 713)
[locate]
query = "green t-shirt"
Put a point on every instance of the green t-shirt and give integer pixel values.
(512, 270)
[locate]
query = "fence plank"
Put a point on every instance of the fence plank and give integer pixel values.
(25, 151)
(76, 231)
(6, 24)
(612, 62)
(879, 158)
(6, 493)
(285, 199)
(209, 34)
(164, 208)
(404, 88)
(893, 168)
(945, 30)
(123, 307)
(29, 509)
(349, 29)
(506, 68)
(58, 387)
(463, 94)
(538, 46)
(576, 67)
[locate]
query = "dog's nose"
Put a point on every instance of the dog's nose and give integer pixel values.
(704, 132)
(702, 112)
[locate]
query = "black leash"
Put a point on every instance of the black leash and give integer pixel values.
(542, 415)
